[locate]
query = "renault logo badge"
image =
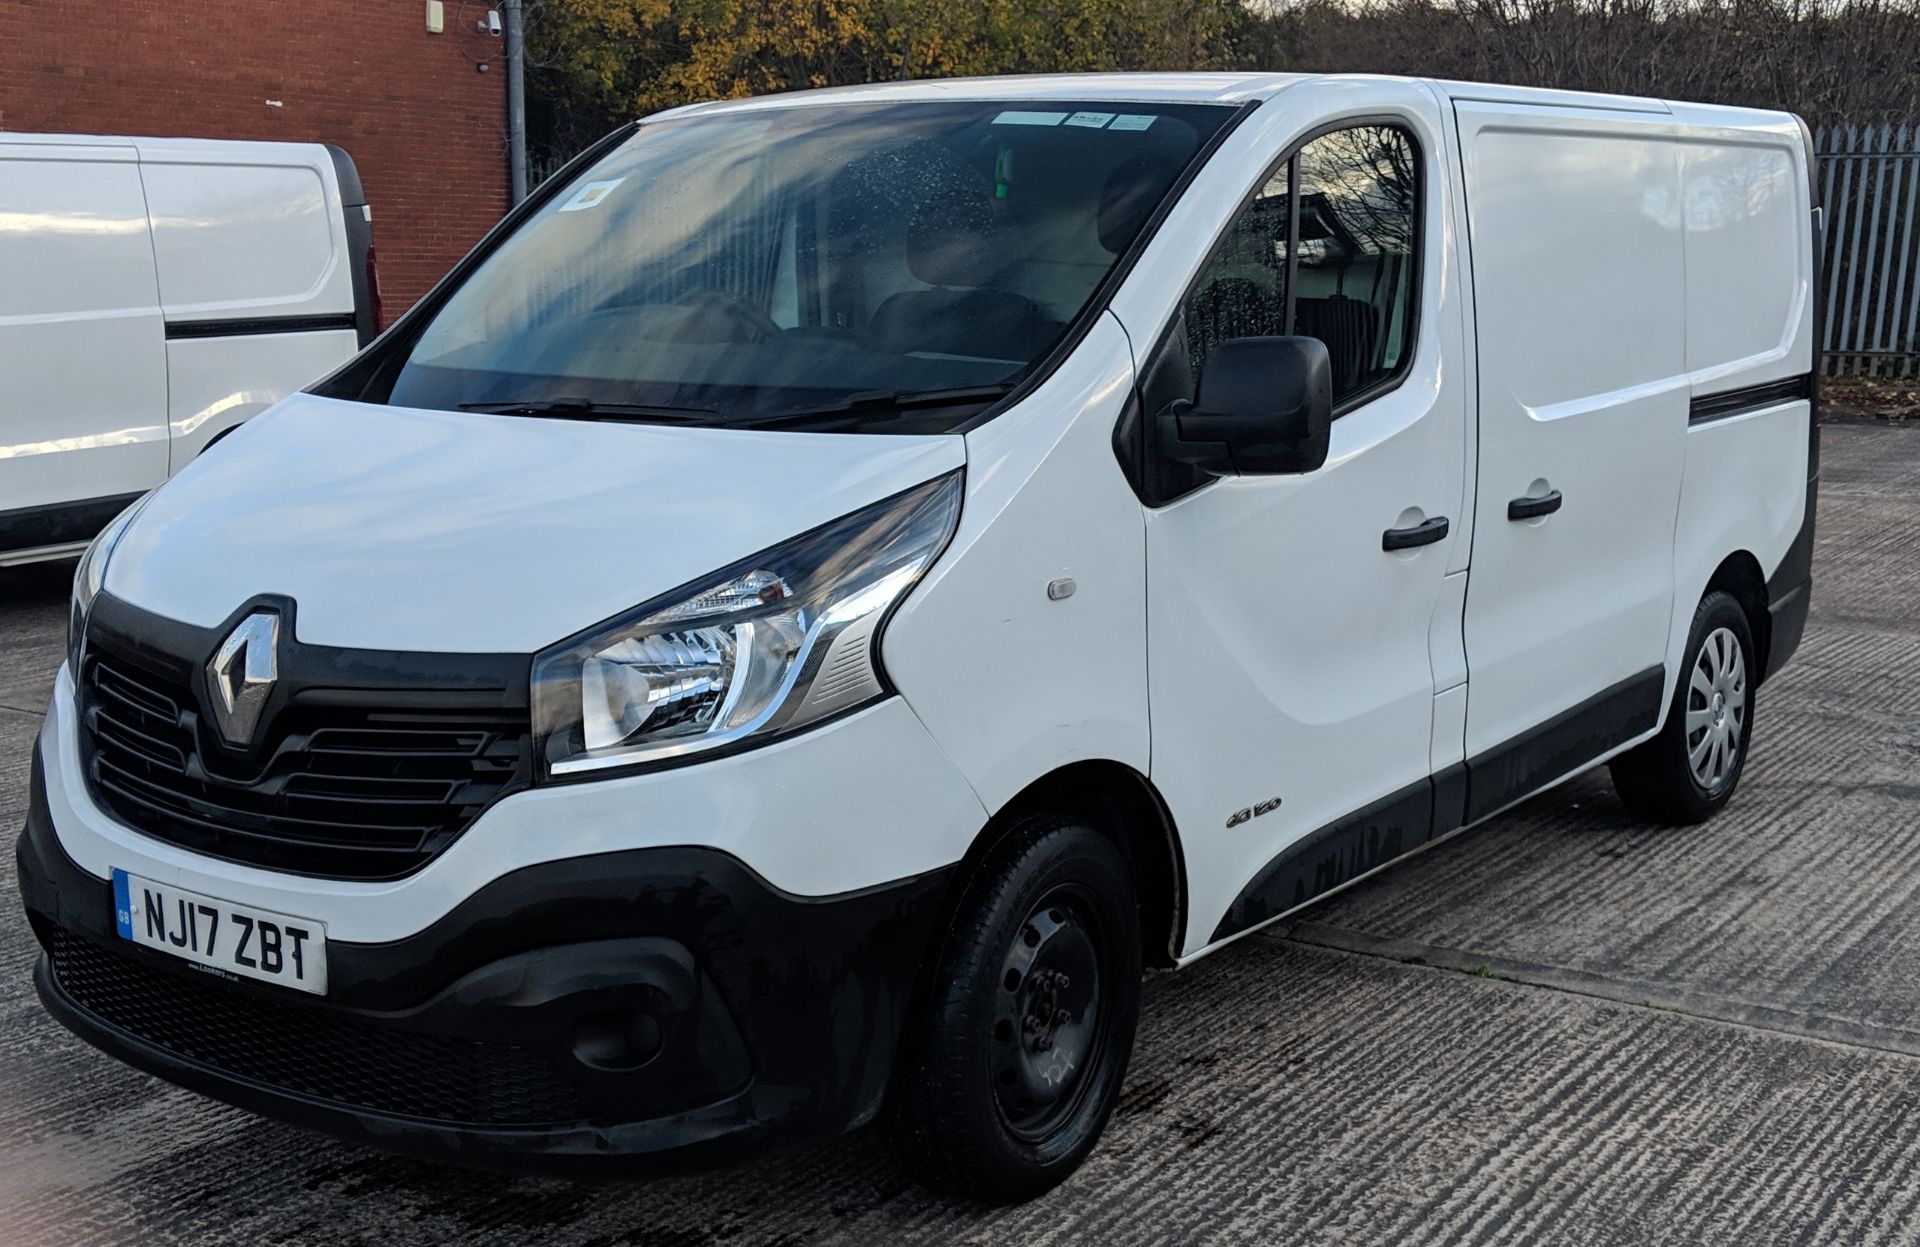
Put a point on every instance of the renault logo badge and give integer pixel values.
(240, 676)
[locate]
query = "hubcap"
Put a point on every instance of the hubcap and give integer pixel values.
(1716, 709)
(1047, 1016)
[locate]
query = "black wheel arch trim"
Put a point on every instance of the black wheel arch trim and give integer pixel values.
(1086, 789)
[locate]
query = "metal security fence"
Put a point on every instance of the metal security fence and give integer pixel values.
(1870, 196)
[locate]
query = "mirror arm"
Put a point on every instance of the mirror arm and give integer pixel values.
(1182, 434)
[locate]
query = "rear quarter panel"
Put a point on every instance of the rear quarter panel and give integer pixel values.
(248, 232)
(1750, 321)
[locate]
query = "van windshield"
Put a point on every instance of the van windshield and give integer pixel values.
(891, 266)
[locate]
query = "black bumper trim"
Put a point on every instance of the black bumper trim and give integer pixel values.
(780, 1024)
(1789, 614)
(711, 1134)
(1790, 588)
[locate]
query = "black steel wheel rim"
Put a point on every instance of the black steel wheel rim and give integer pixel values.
(1048, 1023)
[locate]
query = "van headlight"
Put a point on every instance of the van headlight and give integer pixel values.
(90, 575)
(758, 650)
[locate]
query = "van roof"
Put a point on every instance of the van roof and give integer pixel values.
(1192, 88)
(218, 149)
(1170, 88)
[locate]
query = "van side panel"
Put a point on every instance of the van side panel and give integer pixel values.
(1748, 246)
(1750, 353)
(256, 239)
(256, 277)
(82, 363)
(1745, 489)
(215, 383)
(1578, 264)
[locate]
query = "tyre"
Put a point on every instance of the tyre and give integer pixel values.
(1018, 1040)
(1691, 768)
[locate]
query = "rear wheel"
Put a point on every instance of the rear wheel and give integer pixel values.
(1687, 772)
(1016, 1048)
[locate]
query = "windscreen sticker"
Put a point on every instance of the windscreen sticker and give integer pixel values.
(590, 195)
(1092, 121)
(1132, 121)
(1017, 117)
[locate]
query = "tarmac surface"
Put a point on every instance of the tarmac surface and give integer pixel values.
(1561, 1026)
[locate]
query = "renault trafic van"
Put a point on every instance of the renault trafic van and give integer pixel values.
(838, 583)
(154, 293)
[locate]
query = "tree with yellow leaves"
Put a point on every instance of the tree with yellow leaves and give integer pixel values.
(629, 57)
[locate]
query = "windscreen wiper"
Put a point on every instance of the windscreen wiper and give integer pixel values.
(572, 407)
(883, 400)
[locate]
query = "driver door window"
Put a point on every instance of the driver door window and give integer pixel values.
(1325, 249)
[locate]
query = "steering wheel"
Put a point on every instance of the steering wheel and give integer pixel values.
(737, 320)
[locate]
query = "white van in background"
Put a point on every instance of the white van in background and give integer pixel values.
(153, 294)
(836, 582)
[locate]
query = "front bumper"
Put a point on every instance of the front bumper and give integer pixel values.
(662, 1004)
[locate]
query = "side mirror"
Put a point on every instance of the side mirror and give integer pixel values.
(1264, 407)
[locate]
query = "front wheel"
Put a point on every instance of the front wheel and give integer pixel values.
(1016, 1047)
(1688, 771)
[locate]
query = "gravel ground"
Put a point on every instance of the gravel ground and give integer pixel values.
(1562, 1026)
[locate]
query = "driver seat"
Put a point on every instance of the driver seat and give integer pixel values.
(954, 245)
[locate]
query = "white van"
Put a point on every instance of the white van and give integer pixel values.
(838, 583)
(154, 293)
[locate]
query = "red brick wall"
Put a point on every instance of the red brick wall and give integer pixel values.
(426, 130)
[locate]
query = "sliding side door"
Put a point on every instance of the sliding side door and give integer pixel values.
(1575, 232)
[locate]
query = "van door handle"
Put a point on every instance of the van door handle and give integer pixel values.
(1422, 534)
(1534, 508)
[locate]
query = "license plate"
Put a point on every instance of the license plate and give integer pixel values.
(220, 935)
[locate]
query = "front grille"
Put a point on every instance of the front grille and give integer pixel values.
(314, 1053)
(341, 792)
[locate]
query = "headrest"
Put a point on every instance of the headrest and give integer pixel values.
(1127, 199)
(952, 240)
